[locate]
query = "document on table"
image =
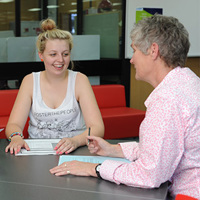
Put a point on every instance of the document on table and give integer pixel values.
(91, 159)
(39, 147)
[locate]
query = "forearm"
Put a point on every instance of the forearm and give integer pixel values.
(97, 130)
(116, 151)
(11, 128)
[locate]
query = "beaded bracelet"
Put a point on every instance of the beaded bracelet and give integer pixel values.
(14, 134)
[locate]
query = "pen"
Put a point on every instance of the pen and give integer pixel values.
(89, 135)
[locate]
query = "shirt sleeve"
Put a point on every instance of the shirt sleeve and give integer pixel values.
(158, 153)
(130, 150)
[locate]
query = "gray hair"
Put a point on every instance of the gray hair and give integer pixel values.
(170, 35)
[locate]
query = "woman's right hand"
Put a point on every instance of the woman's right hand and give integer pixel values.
(16, 144)
(101, 147)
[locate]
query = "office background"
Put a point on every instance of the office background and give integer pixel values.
(19, 26)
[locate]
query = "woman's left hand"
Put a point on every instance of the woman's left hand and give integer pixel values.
(75, 168)
(66, 145)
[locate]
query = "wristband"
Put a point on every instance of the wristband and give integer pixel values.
(14, 134)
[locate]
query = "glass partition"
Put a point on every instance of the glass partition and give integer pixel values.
(7, 16)
(67, 13)
(30, 17)
(100, 22)
(104, 18)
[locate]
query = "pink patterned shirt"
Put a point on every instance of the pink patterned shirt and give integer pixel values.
(169, 147)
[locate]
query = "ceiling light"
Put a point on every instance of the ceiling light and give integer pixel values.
(116, 4)
(6, 1)
(73, 10)
(34, 9)
(87, 0)
(52, 6)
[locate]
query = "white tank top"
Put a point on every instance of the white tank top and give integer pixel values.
(64, 121)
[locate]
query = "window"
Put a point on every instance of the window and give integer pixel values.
(21, 21)
(104, 18)
(7, 17)
(30, 17)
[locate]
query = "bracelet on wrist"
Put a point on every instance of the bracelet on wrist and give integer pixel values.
(14, 134)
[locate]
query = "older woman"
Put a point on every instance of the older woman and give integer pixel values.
(169, 145)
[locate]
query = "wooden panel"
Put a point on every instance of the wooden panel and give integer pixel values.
(139, 90)
(194, 65)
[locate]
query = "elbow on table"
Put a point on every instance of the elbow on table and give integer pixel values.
(154, 183)
(147, 185)
(147, 182)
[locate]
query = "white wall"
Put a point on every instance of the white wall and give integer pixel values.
(187, 11)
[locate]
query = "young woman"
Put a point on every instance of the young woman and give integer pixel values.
(59, 101)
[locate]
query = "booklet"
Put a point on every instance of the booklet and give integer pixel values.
(91, 159)
(39, 147)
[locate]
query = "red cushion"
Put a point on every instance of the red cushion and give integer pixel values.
(3, 122)
(109, 96)
(123, 122)
(7, 98)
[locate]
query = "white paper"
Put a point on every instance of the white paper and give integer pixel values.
(39, 147)
(91, 159)
(1, 129)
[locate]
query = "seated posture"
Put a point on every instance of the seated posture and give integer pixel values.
(169, 140)
(60, 102)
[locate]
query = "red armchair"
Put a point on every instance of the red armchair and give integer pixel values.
(120, 121)
(7, 99)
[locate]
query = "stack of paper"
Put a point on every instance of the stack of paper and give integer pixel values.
(39, 147)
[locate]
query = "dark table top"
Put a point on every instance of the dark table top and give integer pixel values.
(28, 178)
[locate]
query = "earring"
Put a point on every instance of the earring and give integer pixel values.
(41, 60)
